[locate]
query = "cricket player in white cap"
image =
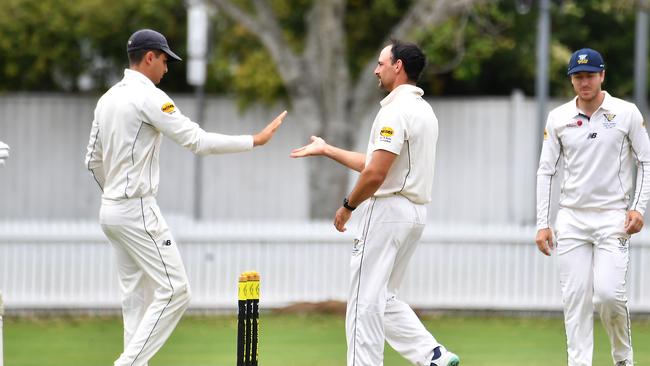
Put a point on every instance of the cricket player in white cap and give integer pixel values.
(598, 139)
(123, 151)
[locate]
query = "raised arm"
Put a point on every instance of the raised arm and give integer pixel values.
(318, 147)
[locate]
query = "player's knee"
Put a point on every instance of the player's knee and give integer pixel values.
(607, 297)
(181, 295)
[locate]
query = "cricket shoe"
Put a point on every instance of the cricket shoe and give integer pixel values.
(442, 357)
(624, 363)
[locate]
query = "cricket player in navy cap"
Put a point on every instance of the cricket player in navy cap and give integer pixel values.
(599, 140)
(123, 156)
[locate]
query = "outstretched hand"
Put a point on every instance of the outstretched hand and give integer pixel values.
(316, 147)
(267, 132)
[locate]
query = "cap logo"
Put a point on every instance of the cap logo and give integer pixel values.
(582, 59)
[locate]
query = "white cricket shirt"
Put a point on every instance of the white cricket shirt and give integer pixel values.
(598, 155)
(406, 126)
(129, 122)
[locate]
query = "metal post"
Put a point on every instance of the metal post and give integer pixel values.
(541, 82)
(198, 167)
(197, 49)
(641, 60)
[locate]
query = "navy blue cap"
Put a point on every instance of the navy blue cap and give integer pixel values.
(586, 60)
(148, 39)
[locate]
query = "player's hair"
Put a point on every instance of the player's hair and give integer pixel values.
(135, 57)
(412, 57)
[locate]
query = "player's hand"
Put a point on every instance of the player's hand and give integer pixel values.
(342, 216)
(265, 135)
(544, 240)
(316, 147)
(633, 222)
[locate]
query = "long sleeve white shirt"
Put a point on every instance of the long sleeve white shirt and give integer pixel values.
(129, 122)
(598, 155)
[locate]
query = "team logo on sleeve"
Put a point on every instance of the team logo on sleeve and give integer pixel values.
(168, 107)
(545, 135)
(386, 134)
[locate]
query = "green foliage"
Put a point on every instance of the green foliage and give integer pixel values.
(500, 48)
(51, 44)
(367, 24)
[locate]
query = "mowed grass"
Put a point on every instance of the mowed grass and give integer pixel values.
(287, 340)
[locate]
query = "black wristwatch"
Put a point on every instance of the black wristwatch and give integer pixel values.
(346, 204)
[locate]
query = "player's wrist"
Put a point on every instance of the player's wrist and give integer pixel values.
(347, 206)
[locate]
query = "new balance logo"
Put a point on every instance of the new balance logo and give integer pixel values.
(167, 243)
(592, 135)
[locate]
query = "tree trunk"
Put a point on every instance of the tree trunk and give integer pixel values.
(328, 186)
(318, 80)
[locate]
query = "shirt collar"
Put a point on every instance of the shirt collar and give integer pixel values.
(403, 89)
(605, 105)
(137, 76)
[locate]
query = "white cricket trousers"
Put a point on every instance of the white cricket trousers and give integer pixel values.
(385, 242)
(593, 260)
(152, 278)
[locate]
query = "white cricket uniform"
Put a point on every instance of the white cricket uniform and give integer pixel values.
(598, 155)
(392, 223)
(129, 122)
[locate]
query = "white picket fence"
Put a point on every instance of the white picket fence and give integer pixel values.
(61, 265)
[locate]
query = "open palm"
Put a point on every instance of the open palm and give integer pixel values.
(316, 147)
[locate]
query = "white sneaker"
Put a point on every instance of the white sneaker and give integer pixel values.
(442, 357)
(624, 363)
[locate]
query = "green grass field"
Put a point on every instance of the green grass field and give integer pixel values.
(287, 340)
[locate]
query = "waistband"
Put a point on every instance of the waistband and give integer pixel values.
(128, 201)
(396, 197)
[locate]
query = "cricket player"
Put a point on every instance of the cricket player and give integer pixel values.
(396, 179)
(597, 138)
(123, 152)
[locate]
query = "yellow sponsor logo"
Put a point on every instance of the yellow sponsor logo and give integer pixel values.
(168, 108)
(545, 135)
(386, 132)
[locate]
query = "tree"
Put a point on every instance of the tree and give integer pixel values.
(317, 77)
(49, 45)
